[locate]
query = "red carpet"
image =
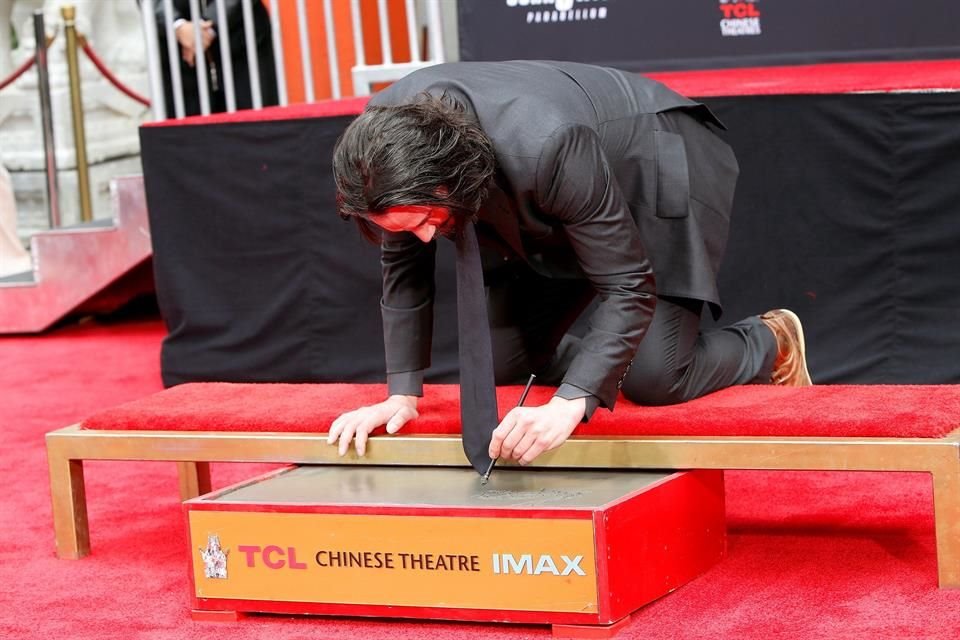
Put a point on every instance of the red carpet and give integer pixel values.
(904, 411)
(915, 75)
(812, 555)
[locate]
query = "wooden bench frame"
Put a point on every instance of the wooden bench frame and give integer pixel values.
(67, 448)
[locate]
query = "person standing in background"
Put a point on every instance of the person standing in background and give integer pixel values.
(185, 28)
(13, 257)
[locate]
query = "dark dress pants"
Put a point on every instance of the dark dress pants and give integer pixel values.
(531, 319)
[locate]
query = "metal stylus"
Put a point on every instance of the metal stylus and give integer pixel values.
(523, 396)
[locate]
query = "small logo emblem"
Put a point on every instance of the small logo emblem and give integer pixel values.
(214, 558)
(740, 18)
(562, 10)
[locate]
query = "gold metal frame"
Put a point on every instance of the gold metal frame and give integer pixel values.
(67, 448)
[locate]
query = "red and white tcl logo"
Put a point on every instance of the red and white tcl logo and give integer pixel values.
(740, 18)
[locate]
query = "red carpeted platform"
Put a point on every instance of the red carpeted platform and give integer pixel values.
(848, 77)
(902, 411)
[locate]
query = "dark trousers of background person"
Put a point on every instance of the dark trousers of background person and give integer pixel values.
(531, 317)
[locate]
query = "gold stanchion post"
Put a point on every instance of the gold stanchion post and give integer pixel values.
(69, 14)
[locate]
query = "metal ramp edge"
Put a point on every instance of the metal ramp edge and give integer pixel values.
(74, 264)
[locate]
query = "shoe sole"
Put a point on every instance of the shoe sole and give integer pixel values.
(803, 347)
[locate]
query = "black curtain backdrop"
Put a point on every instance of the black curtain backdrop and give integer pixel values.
(847, 211)
(694, 34)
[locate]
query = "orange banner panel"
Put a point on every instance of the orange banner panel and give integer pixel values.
(345, 48)
(519, 564)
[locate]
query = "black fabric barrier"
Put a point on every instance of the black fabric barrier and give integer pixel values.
(847, 211)
(693, 34)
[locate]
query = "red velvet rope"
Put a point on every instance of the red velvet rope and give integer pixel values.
(22, 69)
(98, 63)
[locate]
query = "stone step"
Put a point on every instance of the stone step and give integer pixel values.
(74, 264)
(18, 279)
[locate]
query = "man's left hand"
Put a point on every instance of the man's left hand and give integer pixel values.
(526, 432)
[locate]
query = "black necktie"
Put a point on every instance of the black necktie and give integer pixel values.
(478, 396)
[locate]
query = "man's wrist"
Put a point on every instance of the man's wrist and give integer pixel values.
(410, 401)
(569, 392)
(576, 407)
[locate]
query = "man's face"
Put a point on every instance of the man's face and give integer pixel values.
(423, 221)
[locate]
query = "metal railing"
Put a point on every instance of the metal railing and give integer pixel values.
(46, 119)
(162, 23)
(365, 75)
(40, 59)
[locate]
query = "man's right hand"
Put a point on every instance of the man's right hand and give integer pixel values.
(394, 412)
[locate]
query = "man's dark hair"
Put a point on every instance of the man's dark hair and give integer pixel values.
(429, 152)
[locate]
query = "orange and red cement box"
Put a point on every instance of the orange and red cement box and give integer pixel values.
(554, 547)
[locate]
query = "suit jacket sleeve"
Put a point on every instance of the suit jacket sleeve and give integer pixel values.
(407, 309)
(576, 187)
(158, 7)
(233, 11)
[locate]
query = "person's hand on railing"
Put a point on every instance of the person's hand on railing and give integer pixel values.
(186, 38)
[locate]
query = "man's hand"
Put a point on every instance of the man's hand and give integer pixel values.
(357, 425)
(208, 34)
(526, 432)
(185, 36)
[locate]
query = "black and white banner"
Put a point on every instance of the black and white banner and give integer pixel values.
(681, 34)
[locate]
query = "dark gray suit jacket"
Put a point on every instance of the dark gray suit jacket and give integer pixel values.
(595, 180)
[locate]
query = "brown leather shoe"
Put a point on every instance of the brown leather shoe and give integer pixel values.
(790, 365)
